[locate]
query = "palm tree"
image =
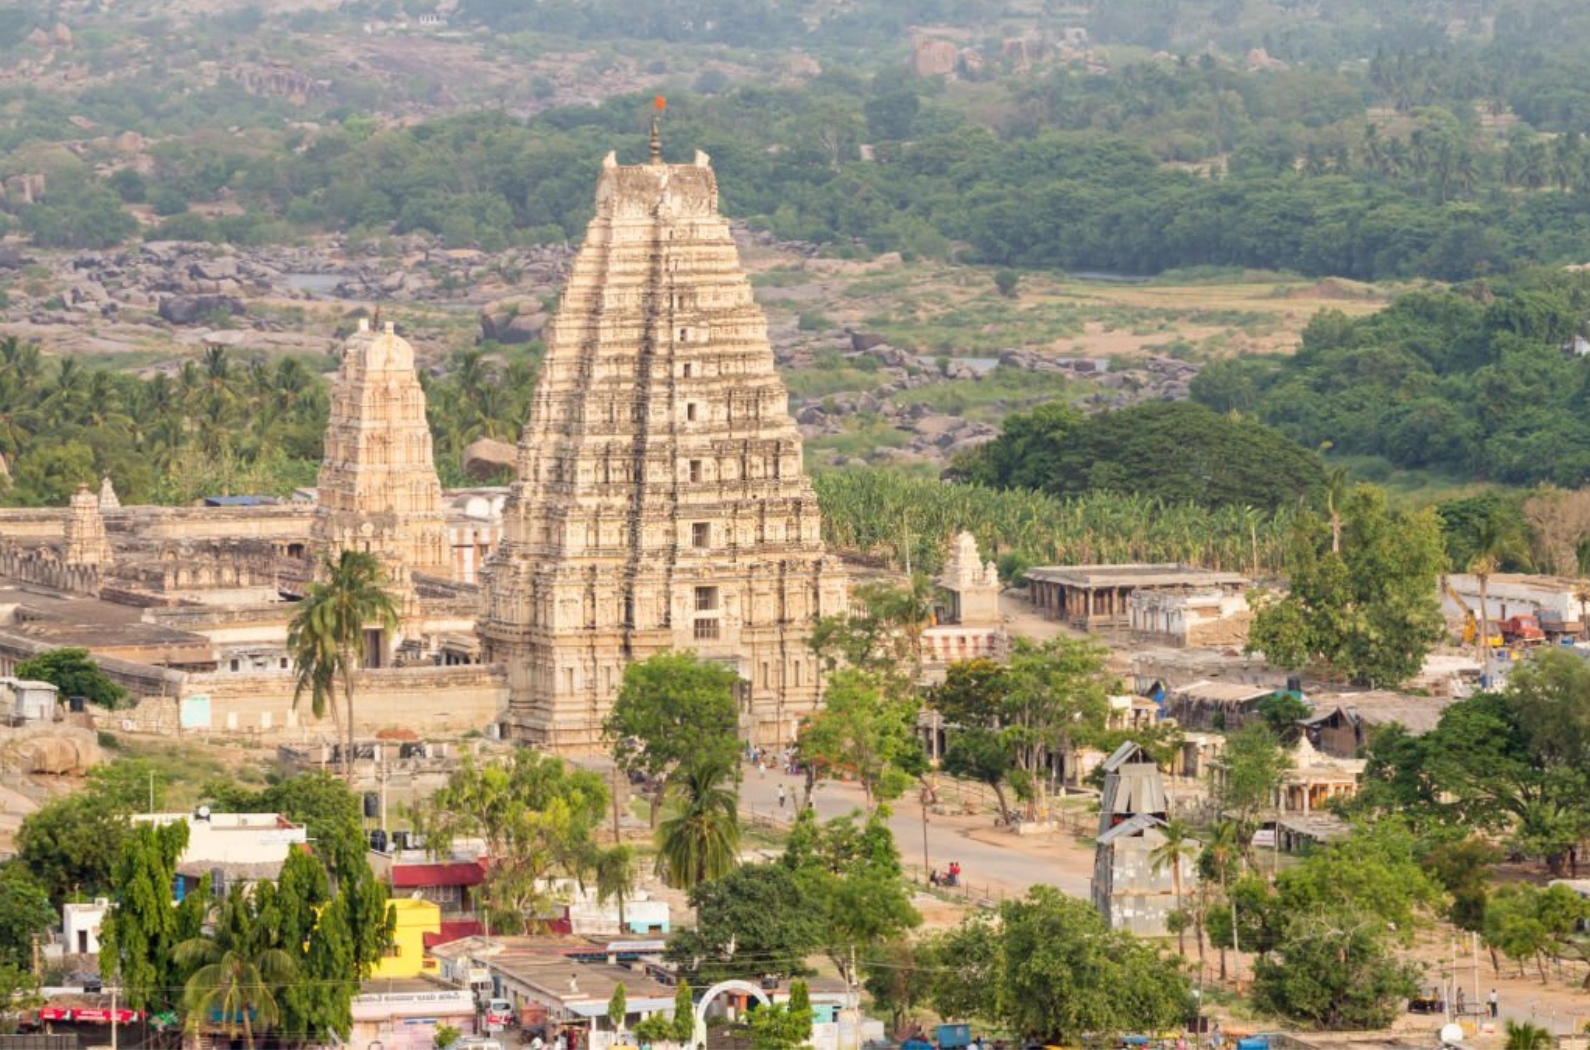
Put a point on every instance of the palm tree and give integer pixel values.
(1335, 495)
(1526, 1036)
(1493, 543)
(232, 982)
(327, 632)
(615, 877)
(1179, 848)
(700, 840)
(1220, 853)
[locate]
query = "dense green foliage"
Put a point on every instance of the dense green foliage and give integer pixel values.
(216, 425)
(74, 673)
(673, 708)
(909, 520)
(327, 634)
(538, 817)
(25, 911)
(72, 844)
(1047, 967)
(1367, 612)
(1510, 763)
(1473, 381)
(1171, 452)
(752, 922)
(850, 873)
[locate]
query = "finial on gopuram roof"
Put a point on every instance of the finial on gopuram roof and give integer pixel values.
(658, 106)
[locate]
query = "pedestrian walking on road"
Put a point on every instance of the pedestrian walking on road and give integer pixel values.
(781, 796)
(1493, 1002)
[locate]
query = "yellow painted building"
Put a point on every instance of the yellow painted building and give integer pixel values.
(406, 957)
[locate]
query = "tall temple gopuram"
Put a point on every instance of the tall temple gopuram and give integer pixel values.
(660, 500)
(378, 489)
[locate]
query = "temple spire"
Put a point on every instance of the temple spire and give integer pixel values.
(658, 105)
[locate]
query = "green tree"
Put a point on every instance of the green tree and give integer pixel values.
(617, 1007)
(19, 988)
(538, 816)
(783, 1026)
(616, 873)
(140, 934)
(1368, 613)
(753, 922)
(1249, 773)
(327, 634)
(1047, 967)
(1178, 850)
(851, 877)
(1492, 542)
(1005, 282)
(699, 841)
(1521, 1035)
(233, 977)
(74, 673)
(864, 730)
(1334, 970)
(672, 707)
(25, 911)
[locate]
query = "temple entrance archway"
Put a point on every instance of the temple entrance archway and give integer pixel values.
(743, 987)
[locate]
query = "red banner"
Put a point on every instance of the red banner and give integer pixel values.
(55, 1013)
(102, 1016)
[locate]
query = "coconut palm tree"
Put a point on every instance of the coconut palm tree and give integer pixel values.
(1220, 854)
(1526, 1036)
(327, 633)
(233, 977)
(1178, 849)
(700, 840)
(615, 877)
(1493, 544)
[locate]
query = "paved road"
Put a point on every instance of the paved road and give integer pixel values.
(993, 862)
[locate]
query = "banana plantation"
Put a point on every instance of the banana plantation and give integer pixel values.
(906, 522)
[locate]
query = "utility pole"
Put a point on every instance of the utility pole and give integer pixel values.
(925, 867)
(113, 990)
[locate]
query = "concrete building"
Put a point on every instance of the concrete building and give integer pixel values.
(415, 919)
(660, 499)
(404, 1013)
(25, 700)
(230, 847)
(1551, 599)
(1095, 597)
(1215, 616)
(80, 926)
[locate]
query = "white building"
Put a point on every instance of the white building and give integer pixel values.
(230, 847)
(1509, 594)
(1191, 616)
(27, 700)
(80, 926)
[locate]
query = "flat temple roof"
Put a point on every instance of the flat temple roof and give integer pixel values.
(1131, 575)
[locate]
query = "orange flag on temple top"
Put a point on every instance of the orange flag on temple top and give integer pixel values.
(659, 103)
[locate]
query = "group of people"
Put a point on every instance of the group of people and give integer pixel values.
(951, 876)
(765, 759)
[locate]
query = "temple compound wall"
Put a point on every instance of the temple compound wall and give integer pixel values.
(660, 501)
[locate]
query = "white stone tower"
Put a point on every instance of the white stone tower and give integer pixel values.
(378, 489)
(660, 500)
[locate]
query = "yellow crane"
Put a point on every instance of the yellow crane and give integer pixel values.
(1471, 623)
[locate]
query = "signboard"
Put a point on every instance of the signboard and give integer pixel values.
(89, 1015)
(194, 712)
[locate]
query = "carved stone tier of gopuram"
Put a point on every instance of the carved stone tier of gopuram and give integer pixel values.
(378, 489)
(660, 501)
